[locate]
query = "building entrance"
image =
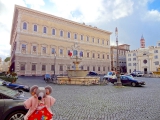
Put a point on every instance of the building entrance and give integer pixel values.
(145, 70)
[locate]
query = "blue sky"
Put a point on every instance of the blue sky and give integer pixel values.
(132, 18)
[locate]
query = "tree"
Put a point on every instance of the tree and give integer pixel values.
(7, 59)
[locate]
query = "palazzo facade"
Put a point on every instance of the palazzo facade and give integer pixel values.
(40, 44)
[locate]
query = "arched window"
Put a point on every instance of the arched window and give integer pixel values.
(75, 36)
(35, 28)
(44, 30)
(25, 26)
(69, 35)
(61, 33)
(53, 31)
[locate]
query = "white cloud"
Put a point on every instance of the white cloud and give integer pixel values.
(6, 16)
(35, 4)
(93, 10)
(153, 15)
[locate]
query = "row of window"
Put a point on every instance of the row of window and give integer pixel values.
(134, 59)
(35, 29)
(61, 52)
(134, 54)
(129, 59)
(134, 64)
(61, 68)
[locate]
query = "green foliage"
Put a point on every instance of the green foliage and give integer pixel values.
(7, 59)
(2, 74)
(10, 77)
(14, 74)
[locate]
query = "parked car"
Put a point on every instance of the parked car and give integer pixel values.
(17, 86)
(129, 75)
(4, 83)
(110, 75)
(137, 74)
(11, 105)
(127, 80)
(92, 73)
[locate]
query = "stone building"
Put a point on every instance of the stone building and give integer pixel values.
(40, 42)
(145, 60)
(122, 49)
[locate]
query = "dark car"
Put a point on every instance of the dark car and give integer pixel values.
(127, 80)
(11, 105)
(17, 86)
(133, 74)
(92, 73)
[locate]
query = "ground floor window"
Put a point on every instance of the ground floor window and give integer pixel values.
(52, 67)
(43, 67)
(22, 66)
(81, 67)
(61, 68)
(99, 69)
(33, 67)
(103, 68)
(93, 68)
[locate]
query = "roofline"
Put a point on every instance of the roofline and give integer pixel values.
(60, 18)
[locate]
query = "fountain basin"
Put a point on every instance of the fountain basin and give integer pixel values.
(77, 73)
(77, 80)
(157, 73)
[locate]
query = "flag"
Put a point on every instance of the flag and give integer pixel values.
(70, 53)
(81, 54)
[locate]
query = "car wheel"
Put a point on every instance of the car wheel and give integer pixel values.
(18, 115)
(133, 84)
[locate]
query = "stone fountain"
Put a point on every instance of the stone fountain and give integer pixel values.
(77, 76)
(157, 73)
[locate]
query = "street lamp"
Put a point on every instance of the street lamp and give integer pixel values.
(135, 67)
(54, 65)
(118, 73)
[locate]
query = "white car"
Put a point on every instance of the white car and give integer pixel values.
(110, 75)
(138, 73)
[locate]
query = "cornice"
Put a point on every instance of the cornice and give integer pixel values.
(56, 19)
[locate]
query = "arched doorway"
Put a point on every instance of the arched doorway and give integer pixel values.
(145, 70)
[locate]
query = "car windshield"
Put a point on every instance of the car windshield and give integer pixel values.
(7, 91)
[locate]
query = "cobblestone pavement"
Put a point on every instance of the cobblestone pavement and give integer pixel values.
(100, 102)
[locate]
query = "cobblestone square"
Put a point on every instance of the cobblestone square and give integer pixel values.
(103, 102)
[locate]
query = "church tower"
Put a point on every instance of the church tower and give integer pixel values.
(142, 42)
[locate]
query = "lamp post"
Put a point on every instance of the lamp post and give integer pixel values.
(54, 65)
(118, 73)
(135, 67)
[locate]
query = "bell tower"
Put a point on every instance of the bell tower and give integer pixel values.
(142, 42)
